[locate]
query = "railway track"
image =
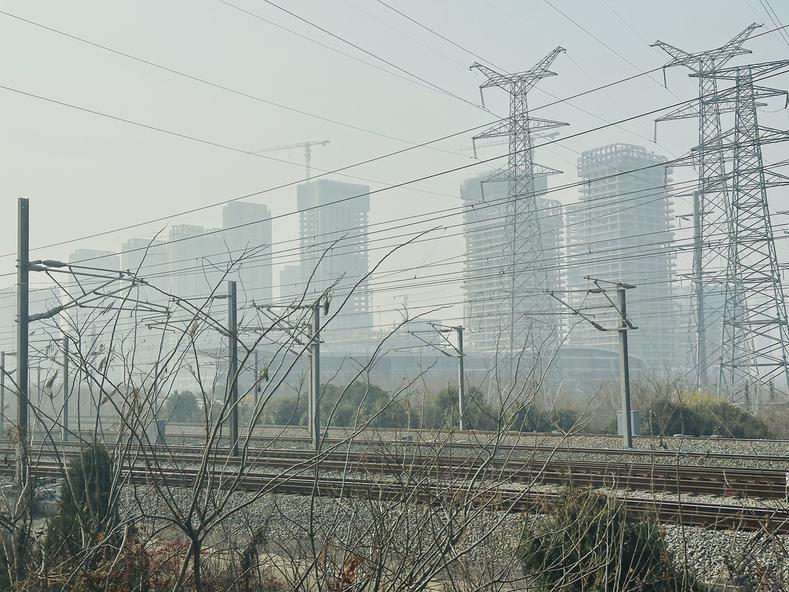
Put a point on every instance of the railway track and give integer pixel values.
(729, 516)
(656, 477)
(651, 444)
(395, 433)
(648, 456)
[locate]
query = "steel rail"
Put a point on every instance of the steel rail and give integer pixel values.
(493, 497)
(655, 478)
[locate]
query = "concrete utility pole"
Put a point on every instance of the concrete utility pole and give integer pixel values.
(624, 365)
(315, 375)
(296, 331)
(625, 324)
(459, 353)
(38, 386)
(65, 434)
(461, 379)
(232, 369)
(22, 336)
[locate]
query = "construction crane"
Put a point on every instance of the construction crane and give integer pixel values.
(307, 151)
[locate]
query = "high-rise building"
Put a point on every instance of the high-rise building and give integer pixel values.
(333, 253)
(488, 268)
(198, 261)
(247, 232)
(183, 253)
(620, 231)
(147, 258)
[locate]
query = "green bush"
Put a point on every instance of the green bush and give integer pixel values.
(181, 407)
(700, 414)
(441, 411)
(534, 419)
(360, 403)
(364, 403)
(342, 406)
(589, 544)
(86, 513)
(286, 410)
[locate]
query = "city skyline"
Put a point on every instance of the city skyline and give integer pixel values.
(568, 231)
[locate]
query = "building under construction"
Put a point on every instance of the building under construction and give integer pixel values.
(487, 265)
(333, 255)
(620, 231)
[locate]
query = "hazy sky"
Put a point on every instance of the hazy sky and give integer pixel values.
(85, 173)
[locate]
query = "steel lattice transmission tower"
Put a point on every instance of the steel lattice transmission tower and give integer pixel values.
(713, 217)
(531, 327)
(755, 330)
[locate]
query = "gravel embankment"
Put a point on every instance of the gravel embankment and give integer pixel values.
(713, 556)
(748, 560)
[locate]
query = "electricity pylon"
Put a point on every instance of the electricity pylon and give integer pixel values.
(713, 217)
(755, 331)
(530, 327)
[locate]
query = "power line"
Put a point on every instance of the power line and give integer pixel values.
(359, 163)
(355, 46)
(603, 43)
(411, 38)
(637, 195)
(437, 34)
(390, 237)
(254, 97)
(487, 204)
(141, 124)
(550, 94)
(380, 190)
(243, 93)
(773, 16)
(199, 140)
(209, 83)
(398, 185)
(626, 23)
(631, 255)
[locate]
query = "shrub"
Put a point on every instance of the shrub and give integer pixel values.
(701, 414)
(86, 513)
(534, 419)
(441, 410)
(152, 567)
(589, 544)
(358, 402)
(181, 407)
(286, 410)
(776, 418)
(362, 403)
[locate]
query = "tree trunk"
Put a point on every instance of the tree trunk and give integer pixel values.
(198, 577)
